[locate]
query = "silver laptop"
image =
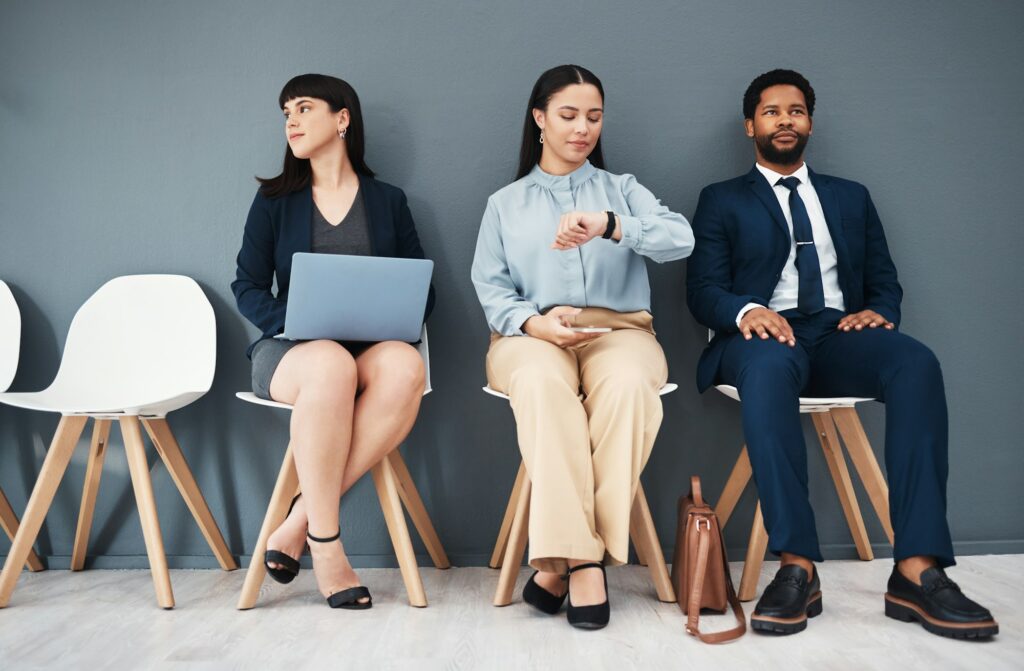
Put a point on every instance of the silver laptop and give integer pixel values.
(357, 298)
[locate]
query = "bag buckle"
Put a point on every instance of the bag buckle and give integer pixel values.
(706, 521)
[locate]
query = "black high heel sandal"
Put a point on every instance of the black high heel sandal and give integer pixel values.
(590, 617)
(540, 598)
(346, 598)
(288, 566)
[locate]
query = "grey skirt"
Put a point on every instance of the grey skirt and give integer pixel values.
(267, 355)
(265, 358)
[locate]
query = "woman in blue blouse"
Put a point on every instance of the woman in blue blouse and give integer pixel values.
(353, 402)
(562, 249)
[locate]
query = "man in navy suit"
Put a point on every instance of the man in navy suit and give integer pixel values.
(792, 272)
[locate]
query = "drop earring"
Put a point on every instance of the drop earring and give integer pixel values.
(341, 133)
(542, 136)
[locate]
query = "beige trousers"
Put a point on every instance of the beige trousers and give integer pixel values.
(584, 457)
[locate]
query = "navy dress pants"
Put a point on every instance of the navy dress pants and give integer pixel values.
(886, 365)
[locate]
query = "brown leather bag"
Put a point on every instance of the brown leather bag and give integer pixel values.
(700, 570)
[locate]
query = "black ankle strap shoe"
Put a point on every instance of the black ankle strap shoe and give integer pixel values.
(590, 617)
(540, 598)
(787, 602)
(939, 605)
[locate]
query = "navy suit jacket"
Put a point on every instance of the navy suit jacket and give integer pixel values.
(743, 242)
(279, 227)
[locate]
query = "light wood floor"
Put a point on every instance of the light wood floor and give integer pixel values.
(108, 620)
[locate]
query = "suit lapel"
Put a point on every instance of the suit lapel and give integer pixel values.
(376, 212)
(833, 218)
(759, 185)
(302, 222)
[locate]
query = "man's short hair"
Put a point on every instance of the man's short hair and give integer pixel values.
(773, 78)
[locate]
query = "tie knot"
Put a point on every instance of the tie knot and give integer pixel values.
(788, 182)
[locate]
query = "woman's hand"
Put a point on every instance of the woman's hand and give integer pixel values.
(578, 228)
(555, 327)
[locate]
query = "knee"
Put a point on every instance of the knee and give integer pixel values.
(918, 362)
(773, 368)
(331, 375)
(400, 367)
(538, 381)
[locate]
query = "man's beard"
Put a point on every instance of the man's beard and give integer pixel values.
(781, 156)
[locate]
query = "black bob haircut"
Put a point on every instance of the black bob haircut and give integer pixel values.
(774, 78)
(296, 173)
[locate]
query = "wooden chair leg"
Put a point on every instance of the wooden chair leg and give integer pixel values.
(9, 523)
(756, 548)
(54, 465)
(506, 523)
(844, 486)
(635, 533)
(863, 458)
(734, 486)
(647, 538)
(386, 482)
(169, 450)
(93, 472)
(138, 467)
(284, 490)
(516, 545)
(417, 511)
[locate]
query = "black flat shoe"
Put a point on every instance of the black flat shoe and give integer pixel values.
(787, 602)
(590, 617)
(288, 566)
(939, 605)
(540, 598)
(346, 598)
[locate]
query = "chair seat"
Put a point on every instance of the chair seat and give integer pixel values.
(71, 402)
(668, 388)
(250, 397)
(807, 404)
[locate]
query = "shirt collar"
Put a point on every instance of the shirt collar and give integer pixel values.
(563, 182)
(773, 177)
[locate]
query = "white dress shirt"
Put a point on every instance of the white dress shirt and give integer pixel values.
(788, 289)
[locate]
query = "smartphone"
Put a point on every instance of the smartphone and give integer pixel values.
(590, 329)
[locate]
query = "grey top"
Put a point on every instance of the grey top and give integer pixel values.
(351, 236)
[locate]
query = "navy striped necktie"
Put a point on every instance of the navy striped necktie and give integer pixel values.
(811, 297)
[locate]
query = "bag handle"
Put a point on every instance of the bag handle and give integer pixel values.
(697, 588)
(695, 491)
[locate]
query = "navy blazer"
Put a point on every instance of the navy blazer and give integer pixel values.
(278, 227)
(743, 242)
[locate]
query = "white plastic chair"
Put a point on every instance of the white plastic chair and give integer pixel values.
(395, 489)
(10, 348)
(139, 348)
(511, 544)
(827, 414)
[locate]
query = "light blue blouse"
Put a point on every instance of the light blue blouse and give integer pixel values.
(518, 275)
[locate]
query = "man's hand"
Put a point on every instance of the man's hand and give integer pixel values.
(554, 327)
(765, 323)
(578, 228)
(859, 320)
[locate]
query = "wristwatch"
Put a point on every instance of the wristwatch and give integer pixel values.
(611, 226)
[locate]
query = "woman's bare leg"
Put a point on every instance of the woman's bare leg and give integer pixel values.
(319, 380)
(390, 380)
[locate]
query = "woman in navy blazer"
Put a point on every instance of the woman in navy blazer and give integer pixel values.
(353, 403)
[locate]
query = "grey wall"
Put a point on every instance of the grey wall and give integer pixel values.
(129, 138)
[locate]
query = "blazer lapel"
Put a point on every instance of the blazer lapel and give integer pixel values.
(764, 191)
(302, 221)
(833, 218)
(376, 212)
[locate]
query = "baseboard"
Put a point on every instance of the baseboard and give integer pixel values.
(838, 551)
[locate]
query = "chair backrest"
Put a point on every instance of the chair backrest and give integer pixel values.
(424, 349)
(146, 336)
(10, 336)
